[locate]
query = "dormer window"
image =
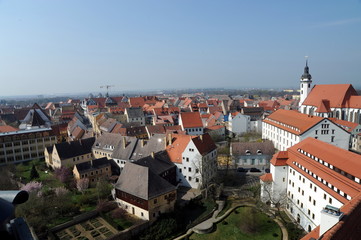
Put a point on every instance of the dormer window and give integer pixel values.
(248, 152)
(259, 152)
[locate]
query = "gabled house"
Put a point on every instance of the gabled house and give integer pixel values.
(238, 123)
(191, 122)
(105, 145)
(67, 154)
(93, 170)
(317, 181)
(195, 158)
(252, 154)
(142, 191)
(135, 115)
(285, 128)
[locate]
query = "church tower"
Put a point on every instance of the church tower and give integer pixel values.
(305, 84)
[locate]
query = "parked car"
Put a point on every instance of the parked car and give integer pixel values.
(241, 169)
(255, 170)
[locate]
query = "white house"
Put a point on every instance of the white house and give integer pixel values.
(311, 179)
(191, 122)
(285, 128)
(238, 123)
(195, 158)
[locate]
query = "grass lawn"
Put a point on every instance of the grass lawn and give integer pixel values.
(246, 224)
(23, 170)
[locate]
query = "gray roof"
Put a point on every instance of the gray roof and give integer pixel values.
(141, 182)
(108, 125)
(144, 148)
(93, 165)
(240, 148)
(135, 112)
(125, 148)
(74, 148)
(159, 164)
(108, 141)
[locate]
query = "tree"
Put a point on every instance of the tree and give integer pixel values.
(273, 198)
(33, 173)
(32, 187)
(64, 174)
(7, 181)
(103, 188)
(82, 184)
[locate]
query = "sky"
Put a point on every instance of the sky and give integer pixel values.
(72, 46)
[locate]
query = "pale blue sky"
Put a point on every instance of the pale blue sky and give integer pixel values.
(66, 46)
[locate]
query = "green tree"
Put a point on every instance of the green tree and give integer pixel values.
(33, 173)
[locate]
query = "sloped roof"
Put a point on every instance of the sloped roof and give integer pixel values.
(153, 129)
(7, 128)
(141, 182)
(74, 148)
(92, 165)
(348, 126)
(175, 150)
(191, 119)
(108, 139)
(280, 159)
(204, 143)
(159, 164)
(125, 153)
(341, 159)
(337, 94)
(324, 106)
(289, 118)
(144, 148)
(240, 148)
(266, 177)
(135, 112)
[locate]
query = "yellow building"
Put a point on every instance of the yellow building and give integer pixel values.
(93, 170)
(67, 154)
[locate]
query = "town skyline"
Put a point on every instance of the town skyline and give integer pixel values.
(71, 47)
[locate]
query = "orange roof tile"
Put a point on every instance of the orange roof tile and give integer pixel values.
(337, 94)
(175, 150)
(339, 158)
(324, 106)
(279, 159)
(191, 119)
(288, 118)
(348, 126)
(7, 128)
(266, 177)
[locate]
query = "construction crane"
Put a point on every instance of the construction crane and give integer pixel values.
(107, 87)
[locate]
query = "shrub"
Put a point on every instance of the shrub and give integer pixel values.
(32, 186)
(105, 206)
(119, 213)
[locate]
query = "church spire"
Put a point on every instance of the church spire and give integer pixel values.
(306, 74)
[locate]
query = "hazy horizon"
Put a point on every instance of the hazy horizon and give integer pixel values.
(53, 47)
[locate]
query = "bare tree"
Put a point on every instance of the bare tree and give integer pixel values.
(274, 199)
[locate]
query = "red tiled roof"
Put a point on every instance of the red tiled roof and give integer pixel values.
(339, 158)
(348, 126)
(314, 234)
(175, 150)
(349, 225)
(338, 95)
(324, 106)
(191, 119)
(204, 143)
(7, 128)
(280, 159)
(300, 121)
(266, 177)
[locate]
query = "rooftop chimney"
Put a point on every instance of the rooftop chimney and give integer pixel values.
(152, 154)
(142, 142)
(169, 136)
(201, 137)
(330, 216)
(124, 142)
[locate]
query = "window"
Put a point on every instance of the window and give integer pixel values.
(309, 198)
(315, 189)
(187, 159)
(303, 192)
(324, 196)
(189, 169)
(155, 201)
(284, 179)
(314, 202)
(330, 200)
(313, 216)
(332, 138)
(309, 212)
(189, 178)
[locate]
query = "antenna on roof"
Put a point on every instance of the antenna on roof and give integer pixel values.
(306, 57)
